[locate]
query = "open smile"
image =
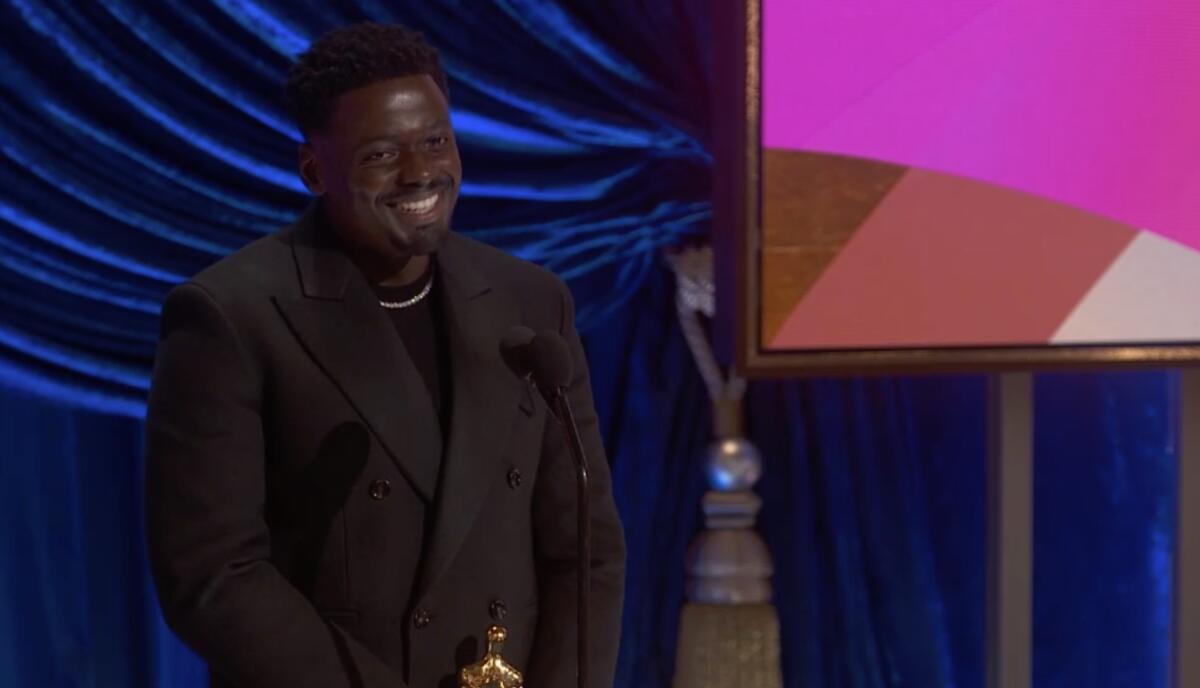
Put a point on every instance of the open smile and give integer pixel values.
(419, 207)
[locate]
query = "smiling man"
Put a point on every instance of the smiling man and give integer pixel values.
(345, 485)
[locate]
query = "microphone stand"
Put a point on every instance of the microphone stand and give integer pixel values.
(583, 566)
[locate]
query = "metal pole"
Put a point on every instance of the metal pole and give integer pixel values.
(583, 563)
(1010, 530)
(1186, 643)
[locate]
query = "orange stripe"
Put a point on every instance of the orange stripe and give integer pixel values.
(946, 261)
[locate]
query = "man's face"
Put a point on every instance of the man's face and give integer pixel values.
(387, 167)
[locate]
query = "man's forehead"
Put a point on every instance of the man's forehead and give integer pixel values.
(404, 93)
(389, 108)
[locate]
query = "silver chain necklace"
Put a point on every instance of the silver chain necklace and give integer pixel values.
(397, 305)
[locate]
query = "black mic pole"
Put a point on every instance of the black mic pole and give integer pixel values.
(583, 566)
(545, 359)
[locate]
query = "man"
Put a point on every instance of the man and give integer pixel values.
(345, 484)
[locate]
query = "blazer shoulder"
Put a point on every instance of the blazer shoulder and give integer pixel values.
(252, 273)
(237, 289)
(513, 275)
(541, 296)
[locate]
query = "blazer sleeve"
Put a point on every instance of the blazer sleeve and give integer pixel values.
(552, 662)
(208, 541)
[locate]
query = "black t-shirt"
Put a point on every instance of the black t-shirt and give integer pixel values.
(423, 333)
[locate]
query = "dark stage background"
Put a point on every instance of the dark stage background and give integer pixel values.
(139, 141)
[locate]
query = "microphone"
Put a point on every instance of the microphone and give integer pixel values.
(516, 350)
(542, 358)
(545, 359)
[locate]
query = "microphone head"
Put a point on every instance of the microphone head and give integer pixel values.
(550, 360)
(517, 351)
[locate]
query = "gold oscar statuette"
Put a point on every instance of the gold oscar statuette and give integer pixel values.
(491, 671)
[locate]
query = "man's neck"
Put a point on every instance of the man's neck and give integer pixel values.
(391, 273)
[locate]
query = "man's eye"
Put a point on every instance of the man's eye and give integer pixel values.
(437, 141)
(376, 156)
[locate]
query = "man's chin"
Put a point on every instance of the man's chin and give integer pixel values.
(419, 241)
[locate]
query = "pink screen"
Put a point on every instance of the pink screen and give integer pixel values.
(1093, 105)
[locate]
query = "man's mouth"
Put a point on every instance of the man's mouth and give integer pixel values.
(417, 205)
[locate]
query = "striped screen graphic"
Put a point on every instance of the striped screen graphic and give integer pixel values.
(980, 173)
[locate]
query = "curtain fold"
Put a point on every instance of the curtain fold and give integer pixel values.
(142, 141)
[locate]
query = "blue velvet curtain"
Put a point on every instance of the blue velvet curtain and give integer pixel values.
(139, 141)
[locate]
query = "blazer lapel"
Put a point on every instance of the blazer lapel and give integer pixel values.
(338, 320)
(486, 399)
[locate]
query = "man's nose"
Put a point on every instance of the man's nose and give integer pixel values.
(415, 169)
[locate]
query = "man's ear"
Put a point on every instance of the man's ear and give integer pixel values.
(310, 172)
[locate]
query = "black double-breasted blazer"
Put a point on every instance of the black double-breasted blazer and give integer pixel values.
(310, 523)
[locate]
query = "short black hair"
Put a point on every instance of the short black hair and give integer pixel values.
(351, 57)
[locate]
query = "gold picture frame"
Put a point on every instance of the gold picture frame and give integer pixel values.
(737, 239)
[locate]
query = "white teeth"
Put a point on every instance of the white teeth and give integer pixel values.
(422, 206)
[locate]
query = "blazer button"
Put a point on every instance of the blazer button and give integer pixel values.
(514, 478)
(498, 610)
(379, 489)
(421, 618)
